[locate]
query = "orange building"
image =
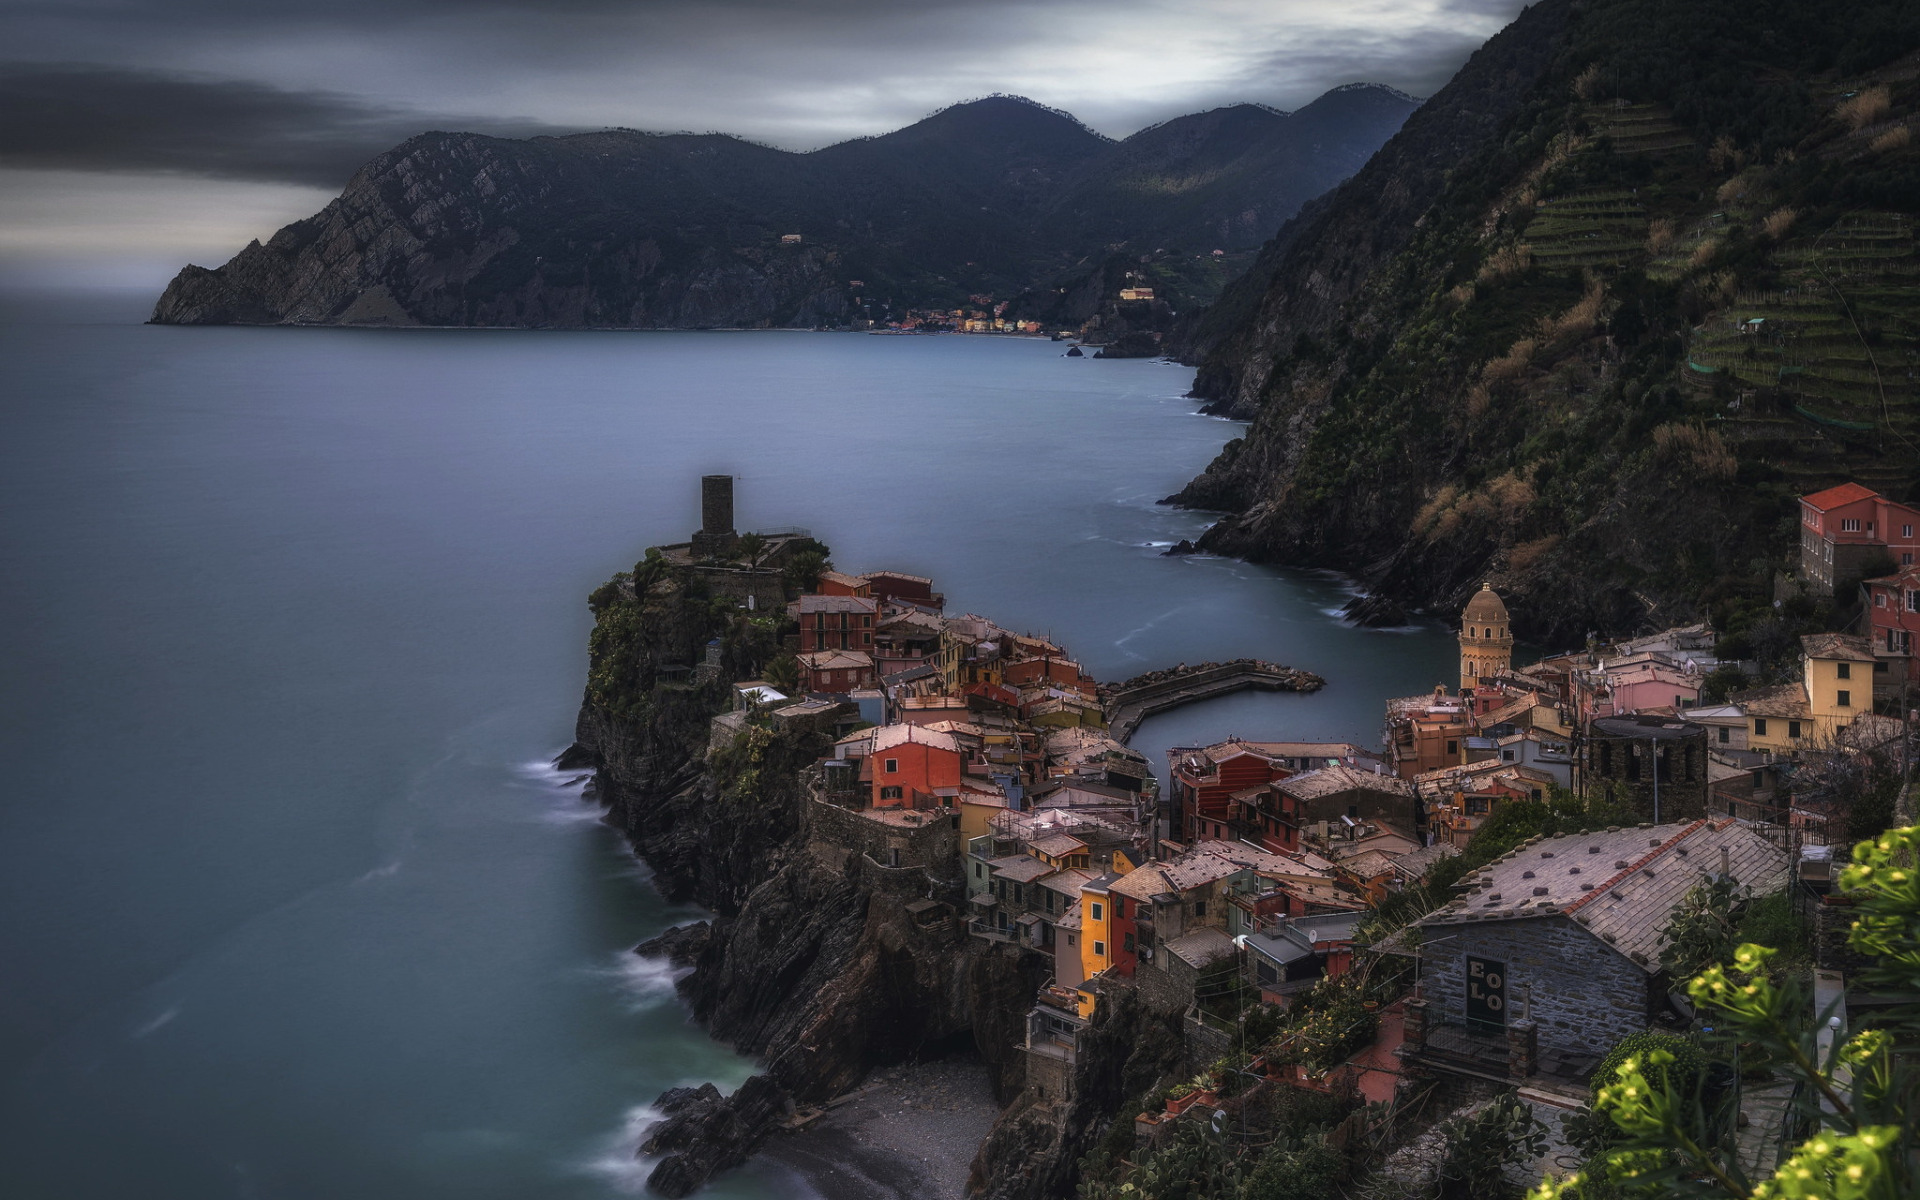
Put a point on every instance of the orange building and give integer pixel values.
(911, 765)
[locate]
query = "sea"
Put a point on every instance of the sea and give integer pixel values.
(293, 622)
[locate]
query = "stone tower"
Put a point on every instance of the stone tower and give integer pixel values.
(1486, 641)
(716, 535)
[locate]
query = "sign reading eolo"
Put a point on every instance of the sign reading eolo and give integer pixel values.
(1486, 991)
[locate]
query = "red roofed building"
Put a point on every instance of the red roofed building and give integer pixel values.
(835, 622)
(1845, 530)
(1893, 628)
(910, 763)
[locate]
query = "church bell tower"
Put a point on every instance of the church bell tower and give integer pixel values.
(1486, 641)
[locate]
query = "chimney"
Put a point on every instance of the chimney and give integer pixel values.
(1726, 863)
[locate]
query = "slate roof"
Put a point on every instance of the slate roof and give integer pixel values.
(1622, 885)
(1200, 947)
(1143, 883)
(1329, 781)
(1417, 863)
(1067, 882)
(1019, 868)
(1058, 845)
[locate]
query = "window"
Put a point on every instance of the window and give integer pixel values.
(1759, 727)
(1453, 747)
(1126, 943)
(1793, 729)
(1879, 599)
(1849, 524)
(1845, 698)
(893, 766)
(1096, 915)
(1199, 908)
(1906, 531)
(979, 871)
(1726, 735)
(890, 793)
(1845, 670)
(1100, 949)
(1906, 558)
(1019, 896)
(1913, 600)
(1120, 910)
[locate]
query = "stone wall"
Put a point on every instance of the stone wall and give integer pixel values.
(931, 849)
(1582, 996)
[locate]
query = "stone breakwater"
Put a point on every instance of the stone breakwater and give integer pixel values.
(1133, 701)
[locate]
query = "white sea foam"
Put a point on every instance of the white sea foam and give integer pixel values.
(563, 790)
(156, 1023)
(618, 1160)
(643, 982)
(386, 872)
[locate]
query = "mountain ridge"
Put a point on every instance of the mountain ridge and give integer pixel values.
(619, 228)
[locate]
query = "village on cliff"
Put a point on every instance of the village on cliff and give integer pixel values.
(985, 778)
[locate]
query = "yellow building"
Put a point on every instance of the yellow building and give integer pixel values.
(1096, 927)
(1486, 641)
(1837, 673)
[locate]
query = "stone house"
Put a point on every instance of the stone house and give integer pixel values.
(1560, 939)
(1657, 765)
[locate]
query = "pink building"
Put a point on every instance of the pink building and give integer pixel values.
(1847, 528)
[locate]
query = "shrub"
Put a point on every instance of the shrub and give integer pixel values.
(1682, 1074)
(1779, 221)
(1307, 1169)
(1864, 107)
(1479, 1147)
(1891, 140)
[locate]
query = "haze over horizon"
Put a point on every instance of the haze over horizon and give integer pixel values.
(136, 135)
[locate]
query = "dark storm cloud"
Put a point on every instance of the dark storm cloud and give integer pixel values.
(92, 117)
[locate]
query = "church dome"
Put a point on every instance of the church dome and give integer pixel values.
(1485, 608)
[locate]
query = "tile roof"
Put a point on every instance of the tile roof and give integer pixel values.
(1329, 781)
(889, 736)
(1836, 645)
(1371, 865)
(1834, 497)
(835, 660)
(1783, 700)
(1622, 885)
(835, 604)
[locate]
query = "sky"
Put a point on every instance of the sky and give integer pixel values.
(136, 135)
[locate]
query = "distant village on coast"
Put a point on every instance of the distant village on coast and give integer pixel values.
(989, 776)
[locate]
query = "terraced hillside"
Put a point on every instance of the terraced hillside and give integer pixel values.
(1676, 289)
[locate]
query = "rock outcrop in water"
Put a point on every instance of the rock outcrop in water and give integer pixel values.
(621, 229)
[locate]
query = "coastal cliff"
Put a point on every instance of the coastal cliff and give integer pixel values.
(1636, 278)
(621, 229)
(815, 963)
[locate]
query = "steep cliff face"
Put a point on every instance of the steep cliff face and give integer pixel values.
(1633, 280)
(814, 962)
(630, 230)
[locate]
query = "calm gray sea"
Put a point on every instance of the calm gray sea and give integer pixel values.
(291, 621)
